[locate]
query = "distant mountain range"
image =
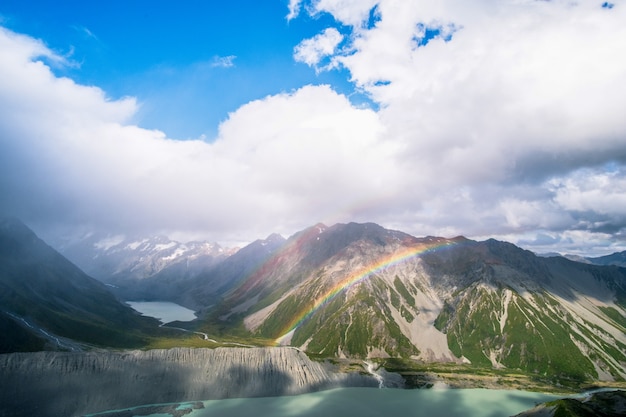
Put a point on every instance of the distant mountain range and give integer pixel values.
(141, 267)
(616, 259)
(362, 291)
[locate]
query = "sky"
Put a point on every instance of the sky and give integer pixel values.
(229, 121)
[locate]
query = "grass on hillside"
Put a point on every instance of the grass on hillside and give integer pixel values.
(418, 374)
(177, 338)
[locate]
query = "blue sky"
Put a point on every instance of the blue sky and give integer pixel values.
(228, 121)
(188, 63)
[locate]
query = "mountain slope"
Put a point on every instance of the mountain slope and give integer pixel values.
(149, 268)
(213, 283)
(617, 259)
(48, 297)
(363, 291)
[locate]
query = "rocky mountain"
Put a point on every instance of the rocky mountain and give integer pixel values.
(51, 384)
(209, 287)
(48, 302)
(598, 404)
(142, 267)
(360, 290)
(354, 290)
(617, 259)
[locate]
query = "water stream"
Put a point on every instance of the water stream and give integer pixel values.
(371, 368)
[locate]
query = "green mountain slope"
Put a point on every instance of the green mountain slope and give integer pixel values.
(363, 291)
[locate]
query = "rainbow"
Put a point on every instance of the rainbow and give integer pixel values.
(359, 276)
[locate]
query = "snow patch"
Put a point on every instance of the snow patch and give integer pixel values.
(177, 253)
(108, 242)
(164, 246)
(135, 245)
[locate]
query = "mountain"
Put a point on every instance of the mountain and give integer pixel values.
(46, 301)
(597, 404)
(362, 291)
(359, 290)
(209, 286)
(148, 268)
(575, 258)
(617, 259)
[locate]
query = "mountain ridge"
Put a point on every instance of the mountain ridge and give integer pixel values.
(362, 291)
(50, 299)
(489, 303)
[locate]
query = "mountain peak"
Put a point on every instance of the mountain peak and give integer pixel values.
(275, 237)
(15, 228)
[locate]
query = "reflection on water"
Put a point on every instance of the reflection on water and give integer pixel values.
(361, 402)
(163, 310)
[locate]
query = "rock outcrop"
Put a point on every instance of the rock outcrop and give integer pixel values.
(599, 404)
(71, 384)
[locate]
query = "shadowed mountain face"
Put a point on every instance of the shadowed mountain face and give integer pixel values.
(360, 290)
(45, 298)
(52, 384)
(617, 259)
(210, 286)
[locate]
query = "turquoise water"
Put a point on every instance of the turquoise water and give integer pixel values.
(163, 310)
(371, 402)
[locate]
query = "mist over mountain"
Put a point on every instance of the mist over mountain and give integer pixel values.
(616, 258)
(48, 302)
(142, 268)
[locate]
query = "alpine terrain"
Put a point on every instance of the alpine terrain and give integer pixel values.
(153, 267)
(47, 303)
(354, 296)
(359, 290)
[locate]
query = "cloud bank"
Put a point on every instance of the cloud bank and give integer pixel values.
(493, 119)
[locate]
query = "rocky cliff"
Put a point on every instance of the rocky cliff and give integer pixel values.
(599, 404)
(71, 384)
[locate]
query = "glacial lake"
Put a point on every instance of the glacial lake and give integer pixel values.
(365, 402)
(163, 310)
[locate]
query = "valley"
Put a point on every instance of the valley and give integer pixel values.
(356, 304)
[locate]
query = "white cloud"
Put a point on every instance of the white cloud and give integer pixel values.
(223, 61)
(312, 51)
(349, 12)
(506, 122)
(294, 9)
(85, 31)
(590, 190)
(280, 163)
(498, 98)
